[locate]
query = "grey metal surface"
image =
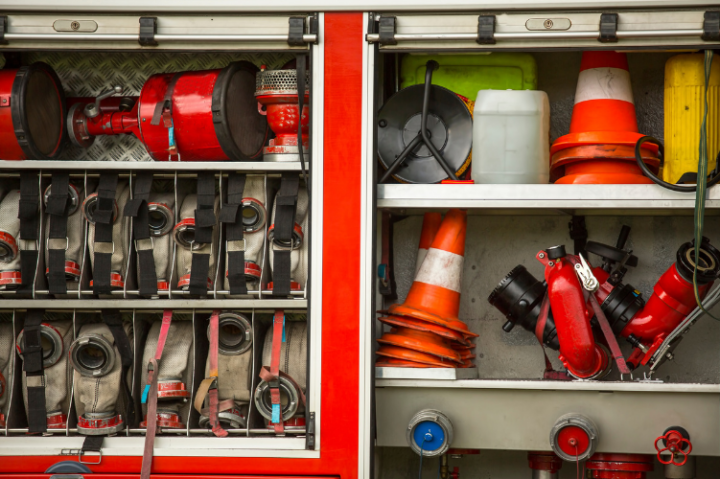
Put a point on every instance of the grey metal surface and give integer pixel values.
(332, 5)
(87, 74)
(445, 374)
(658, 28)
(154, 304)
(167, 167)
(521, 419)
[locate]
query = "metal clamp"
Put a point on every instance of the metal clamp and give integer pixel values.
(387, 29)
(3, 29)
(82, 453)
(586, 276)
(486, 30)
(296, 31)
(608, 28)
(711, 26)
(148, 30)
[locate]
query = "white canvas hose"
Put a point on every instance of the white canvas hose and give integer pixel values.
(299, 254)
(175, 366)
(6, 352)
(184, 234)
(120, 235)
(10, 242)
(161, 213)
(56, 337)
(98, 368)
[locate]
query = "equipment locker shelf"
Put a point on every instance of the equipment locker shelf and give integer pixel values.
(510, 407)
(327, 444)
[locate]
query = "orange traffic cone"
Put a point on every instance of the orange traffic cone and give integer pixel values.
(404, 354)
(603, 130)
(421, 341)
(411, 323)
(430, 227)
(383, 362)
(435, 295)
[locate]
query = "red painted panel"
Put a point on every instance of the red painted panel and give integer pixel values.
(344, 45)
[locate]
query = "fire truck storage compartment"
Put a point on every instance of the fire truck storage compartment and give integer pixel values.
(507, 224)
(175, 170)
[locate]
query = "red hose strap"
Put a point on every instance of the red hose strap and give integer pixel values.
(208, 386)
(151, 419)
(278, 332)
(609, 336)
(549, 372)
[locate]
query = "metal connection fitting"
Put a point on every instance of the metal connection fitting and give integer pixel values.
(430, 433)
(574, 437)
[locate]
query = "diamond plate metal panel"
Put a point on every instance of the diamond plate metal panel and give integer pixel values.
(87, 74)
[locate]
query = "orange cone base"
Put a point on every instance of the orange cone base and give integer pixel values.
(584, 138)
(600, 152)
(603, 172)
(398, 363)
(411, 323)
(450, 323)
(420, 341)
(427, 360)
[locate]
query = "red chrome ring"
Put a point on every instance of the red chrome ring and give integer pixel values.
(170, 420)
(181, 230)
(10, 278)
(116, 281)
(164, 214)
(184, 282)
(172, 389)
(8, 246)
(57, 421)
(297, 237)
(72, 271)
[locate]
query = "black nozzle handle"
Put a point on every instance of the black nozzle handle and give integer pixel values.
(623, 237)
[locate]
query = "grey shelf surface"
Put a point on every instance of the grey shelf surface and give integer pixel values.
(189, 166)
(555, 198)
(153, 304)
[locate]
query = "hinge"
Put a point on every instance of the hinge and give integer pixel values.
(608, 28)
(387, 28)
(296, 32)
(310, 432)
(711, 26)
(148, 29)
(3, 29)
(314, 27)
(486, 30)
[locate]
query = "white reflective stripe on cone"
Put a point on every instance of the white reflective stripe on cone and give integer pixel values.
(604, 84)
(441, 268)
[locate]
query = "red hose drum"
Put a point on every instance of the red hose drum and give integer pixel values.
(32, 113)
(210, 116)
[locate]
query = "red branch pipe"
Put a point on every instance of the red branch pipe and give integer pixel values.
(579, 353)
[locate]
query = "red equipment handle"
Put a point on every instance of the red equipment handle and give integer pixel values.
(675, 444)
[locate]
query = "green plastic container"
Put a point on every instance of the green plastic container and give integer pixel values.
(466, 74)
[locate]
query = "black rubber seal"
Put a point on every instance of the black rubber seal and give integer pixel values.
(220, 120)
(19, 115)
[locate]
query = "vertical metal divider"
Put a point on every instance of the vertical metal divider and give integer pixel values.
(268, 211)
(220, 249)
(40, 242)
(122, 217)
(10, 390)
(86, 229)
(71, 402)
(136, 348)
(171, 279)
(192, 376)
(253, 374)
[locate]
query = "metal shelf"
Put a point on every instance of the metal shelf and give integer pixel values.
(190, 166)
(153, 304)
(487, 414)
(526, 199)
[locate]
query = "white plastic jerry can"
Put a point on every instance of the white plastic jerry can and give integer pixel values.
(511, 137)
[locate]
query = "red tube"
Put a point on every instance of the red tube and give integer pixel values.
(579, 353)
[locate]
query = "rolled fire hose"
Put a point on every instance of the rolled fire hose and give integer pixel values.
(298, 246)
(10, 242)
(6, 352)
(74, 241)
(254, 219)
(97, 382)
(56, 337)
(235, 336)
(175, 372)
(293, 362)
(184, 235)
(120, 235)
(161, 218)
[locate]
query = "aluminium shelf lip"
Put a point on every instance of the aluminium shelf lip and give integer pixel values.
(153, 304)
(543, 385)
(539, 196)
(192, 166)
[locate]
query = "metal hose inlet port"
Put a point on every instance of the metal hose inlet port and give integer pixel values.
(90, 205)
(184, 235)
(92, 355)
(74, 193)
(51, 342)
(289, 399)
(160, 219)
(254, 215)
(708, 266)
(574, 437)
(294, 243)
(430, 433)
(235, 334)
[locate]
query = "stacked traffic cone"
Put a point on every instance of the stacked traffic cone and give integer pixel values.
(426, 331)
(600, 147)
